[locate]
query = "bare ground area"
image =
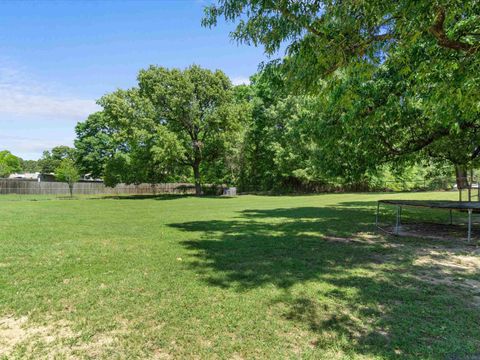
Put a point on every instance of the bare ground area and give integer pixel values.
(23, 339)
(453, 261)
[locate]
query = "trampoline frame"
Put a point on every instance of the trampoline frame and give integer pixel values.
(445, 205)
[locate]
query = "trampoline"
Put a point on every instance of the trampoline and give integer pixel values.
(469, 207)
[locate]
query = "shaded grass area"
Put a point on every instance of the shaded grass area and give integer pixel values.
(248, 277)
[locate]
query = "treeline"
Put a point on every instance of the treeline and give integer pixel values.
(394, 84)
(366, 92)
(193, 125)
(50, 160)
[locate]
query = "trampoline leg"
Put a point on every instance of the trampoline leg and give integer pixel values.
(469, 225)
(397, 226)
(376, 217)
(451, 218)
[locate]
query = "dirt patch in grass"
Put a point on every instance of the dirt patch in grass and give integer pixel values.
(21, 338)
(450, 261)
(455, 265)
(14, 331)
(428, 230)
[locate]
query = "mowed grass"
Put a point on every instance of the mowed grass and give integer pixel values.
(230, 278)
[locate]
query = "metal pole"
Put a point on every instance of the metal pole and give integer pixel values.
(470, 185)
(469, 225)
(378, 209)
(397, 226)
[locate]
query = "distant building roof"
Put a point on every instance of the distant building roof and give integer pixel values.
(33, 176)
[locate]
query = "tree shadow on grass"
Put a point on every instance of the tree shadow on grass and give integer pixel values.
(361, 293)
(157, 197)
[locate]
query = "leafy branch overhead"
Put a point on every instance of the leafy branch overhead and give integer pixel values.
(333, 34)
(394, 81)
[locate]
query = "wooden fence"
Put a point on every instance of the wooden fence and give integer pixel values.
(29, 187)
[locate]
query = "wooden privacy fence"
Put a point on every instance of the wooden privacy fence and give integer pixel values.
(29, 187)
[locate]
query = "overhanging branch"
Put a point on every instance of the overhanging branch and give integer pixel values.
(438, 31)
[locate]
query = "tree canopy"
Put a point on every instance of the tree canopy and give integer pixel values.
(174, 120)
(394, 81)
(365, 89)
(322, 36)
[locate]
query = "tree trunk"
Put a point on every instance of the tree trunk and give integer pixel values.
(196, 175)
(461, 176)
(70, 187)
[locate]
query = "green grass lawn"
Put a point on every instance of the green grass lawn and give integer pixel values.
(230, 278)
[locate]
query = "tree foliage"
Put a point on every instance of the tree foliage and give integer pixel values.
(9, 163)
(366, 89)
(175, 120)
(394, 82)
(94, 144)
(322, 36)
(30, 166)
(194, 105)
(67, 172)
(51, 159)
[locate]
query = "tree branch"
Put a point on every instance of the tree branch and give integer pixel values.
(295, 19)
(438, 31)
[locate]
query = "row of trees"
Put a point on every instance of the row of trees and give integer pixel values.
(50, 160)
(193, 124)
(366, 89)
(60, 161)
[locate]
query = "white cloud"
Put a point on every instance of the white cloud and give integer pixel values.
(30, 148)
(37, 115)
(21, 103)
(240, 80)
(22, 96)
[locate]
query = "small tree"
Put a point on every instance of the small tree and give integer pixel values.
(67, 172)
(51, 159)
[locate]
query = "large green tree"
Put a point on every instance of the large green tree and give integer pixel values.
(95, 144)
(194, 104)
(174, 120)
(410, 109)
(125, 143)
(277, 143)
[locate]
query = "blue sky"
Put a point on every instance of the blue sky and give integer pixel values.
(57, 58)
